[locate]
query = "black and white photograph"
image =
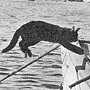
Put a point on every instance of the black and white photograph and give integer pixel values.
(44, 44)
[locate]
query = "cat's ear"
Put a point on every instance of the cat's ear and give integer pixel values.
(77, 30)
(73, 28)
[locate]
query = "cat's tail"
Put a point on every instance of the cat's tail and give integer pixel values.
(13, 42)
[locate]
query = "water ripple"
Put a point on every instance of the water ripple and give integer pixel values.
(27, 74)
(2, 73)
(50, 86)
(4, 69)
(29, 78)
(24, 81)
(56, 66)
(56, 75)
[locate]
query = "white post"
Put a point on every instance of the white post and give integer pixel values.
(71, 59)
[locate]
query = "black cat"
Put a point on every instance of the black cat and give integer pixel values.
(36, 31)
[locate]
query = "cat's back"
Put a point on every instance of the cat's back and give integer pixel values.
(41, 26)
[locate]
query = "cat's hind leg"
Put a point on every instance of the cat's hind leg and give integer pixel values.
(21, 47)
(25, 44)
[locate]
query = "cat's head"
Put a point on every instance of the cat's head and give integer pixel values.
(70, 34)
(74, 34)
